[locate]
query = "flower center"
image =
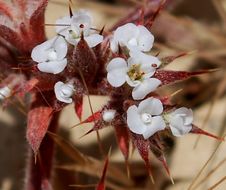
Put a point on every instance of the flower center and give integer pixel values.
(146, 118)
(132, 42)
(52, 55)
(135, 72)
(67, 91)
(73, 34)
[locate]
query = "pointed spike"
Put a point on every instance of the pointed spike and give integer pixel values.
(102, 30)
(101, 184)
(168, 77)
(165, 165)
(95, 117)
(169, 59)
(90, 131)
(128, 169)
(143, 149)
(70, 9)
(197, 130)
(155, 14)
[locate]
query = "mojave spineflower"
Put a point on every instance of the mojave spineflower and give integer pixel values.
(146, 119)
(180, 121)
(5, 92)
(137, 72)
(64, 92)
(73, 27)
(132, 37)
(50, 55)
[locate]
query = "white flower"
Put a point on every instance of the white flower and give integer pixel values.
(180, 121)
(145, 119)
(136, 73)
(73, 27)
(64, 92)
(5, 92)
(108, 115)
(132, 37)
(50, 55)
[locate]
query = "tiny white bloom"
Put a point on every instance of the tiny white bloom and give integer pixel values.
(136, 72)
(5, 92)
(108, 115)
(50, 55)
(132, 37)
(64, 92)
(73, 27)
(180, 121)
(146, 119)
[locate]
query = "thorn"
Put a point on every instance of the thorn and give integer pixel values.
(70, 10)
(35, 157)
(102, 30)
(128, 169)
(151, 178)
(175, 93)
(90, 131)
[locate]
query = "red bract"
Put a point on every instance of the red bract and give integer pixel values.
(22, 23)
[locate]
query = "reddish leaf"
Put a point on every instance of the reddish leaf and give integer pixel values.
(84, 60)
(197, 130)
(168, 77)
(37, 20)
(157, 150)
(26, 32)
(169, 59)
(39, 118)
(143, 149)
(95, 117)
(6, 9)
(79, 107)
(123, 139)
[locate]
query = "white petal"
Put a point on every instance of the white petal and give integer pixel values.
(5, 92)
(116, 69)
(40, 53)
(114, 45)
(63, 29)
(177, 126)
(53, 67)
(145, 39)
(126, 32)
(156, 125)
(151, 105)
(94, 39)
(186, 113)
(134, 122)
(59, 86)
(147, 86)
(60, 45)
(81, 18)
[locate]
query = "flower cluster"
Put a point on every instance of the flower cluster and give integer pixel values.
(137, 70)
(51, 55)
